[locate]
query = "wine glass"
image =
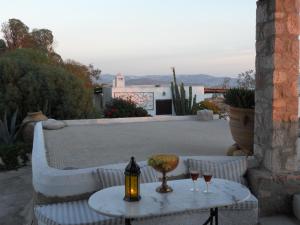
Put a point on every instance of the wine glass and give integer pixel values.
(194, 176)
(207, 175)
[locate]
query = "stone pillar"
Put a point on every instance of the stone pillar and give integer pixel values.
(277, 68)
(276, 108)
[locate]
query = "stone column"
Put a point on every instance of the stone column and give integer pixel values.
(277, 68)
(276, 108)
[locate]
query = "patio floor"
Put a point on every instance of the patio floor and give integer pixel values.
(82, 146)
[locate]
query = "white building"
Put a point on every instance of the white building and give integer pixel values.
(156, 99)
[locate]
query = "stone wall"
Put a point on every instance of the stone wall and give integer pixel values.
(274, 192)
(276, 109)
(277, 66)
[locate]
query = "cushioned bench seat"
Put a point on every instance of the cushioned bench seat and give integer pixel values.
(79, 213)
(75, 213)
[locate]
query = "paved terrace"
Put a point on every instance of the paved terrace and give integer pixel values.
(82, 146)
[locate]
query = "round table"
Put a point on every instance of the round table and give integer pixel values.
(110, 201)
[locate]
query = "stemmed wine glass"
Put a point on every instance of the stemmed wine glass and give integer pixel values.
(194, 176)
(207, 175)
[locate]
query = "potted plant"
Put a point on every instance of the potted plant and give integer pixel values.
(241, 113)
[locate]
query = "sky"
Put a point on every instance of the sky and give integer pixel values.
(147, 37)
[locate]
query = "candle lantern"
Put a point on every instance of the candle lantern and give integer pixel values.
(132, 181)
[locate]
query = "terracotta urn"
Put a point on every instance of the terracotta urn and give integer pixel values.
(242, 128)
(28, 125)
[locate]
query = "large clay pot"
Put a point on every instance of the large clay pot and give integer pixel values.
(29, 122)
(242, 128)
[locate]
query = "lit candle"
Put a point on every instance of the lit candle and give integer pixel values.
(132, 191)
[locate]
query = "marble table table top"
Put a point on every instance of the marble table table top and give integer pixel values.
(110, 201)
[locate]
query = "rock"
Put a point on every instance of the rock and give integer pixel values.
(235, 150)
(205, 115)
(239, 153)
(216, 116)
(232, 149)
(52, 124)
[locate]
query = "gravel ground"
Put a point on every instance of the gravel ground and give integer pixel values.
(16, 196)
(85, 146)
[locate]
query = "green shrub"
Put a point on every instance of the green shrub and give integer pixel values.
(13, 156)
(240, 98)
(123, 108)
(30, 81)
(206, 104)
(140, 112)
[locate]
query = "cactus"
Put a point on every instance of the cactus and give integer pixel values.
(173, 97)
(182, 105)
(177, 100)
(176, 95)
(182, 99)
(194, 101)
(190, 100)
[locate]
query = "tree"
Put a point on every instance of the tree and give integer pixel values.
(43, 39)
(16, 34)
(29, 81)
(88, 74)
(34, 77)
(2, 46)
(247, 79)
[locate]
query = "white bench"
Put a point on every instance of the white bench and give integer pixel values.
(78, 212)
(67, 184)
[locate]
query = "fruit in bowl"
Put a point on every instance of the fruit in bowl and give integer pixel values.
(164, 163)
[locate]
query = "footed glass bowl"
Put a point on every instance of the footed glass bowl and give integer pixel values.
(164, 163)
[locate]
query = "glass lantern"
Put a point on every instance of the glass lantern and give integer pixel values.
(132, 181)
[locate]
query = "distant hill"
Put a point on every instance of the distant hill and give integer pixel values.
(198, 79)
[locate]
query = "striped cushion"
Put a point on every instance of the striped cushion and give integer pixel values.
(250, 203)
(75, 213)
(234, 170)
(115, 177)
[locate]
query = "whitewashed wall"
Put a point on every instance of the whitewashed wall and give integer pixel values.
(158, 93)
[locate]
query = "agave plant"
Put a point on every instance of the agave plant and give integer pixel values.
(9, 130)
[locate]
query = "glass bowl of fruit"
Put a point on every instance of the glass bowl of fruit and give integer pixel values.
(164, 163)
